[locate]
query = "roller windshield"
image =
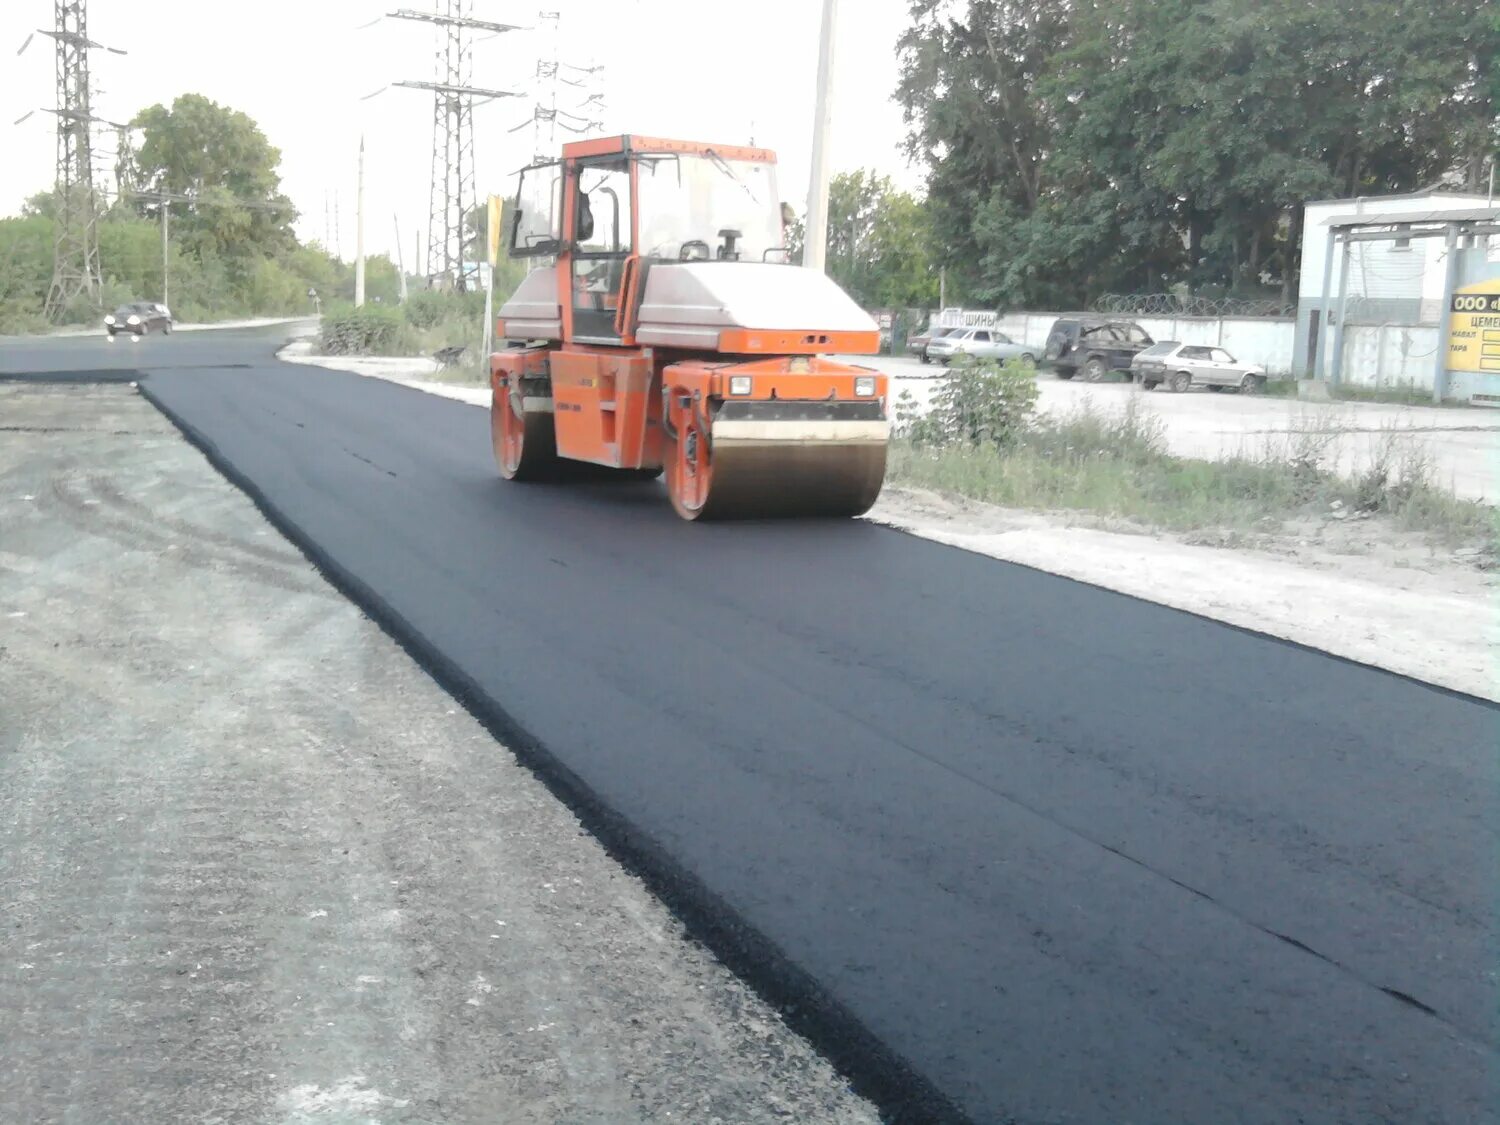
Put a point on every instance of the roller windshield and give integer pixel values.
(688, 202)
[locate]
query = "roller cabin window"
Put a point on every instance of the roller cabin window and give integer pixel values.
(536, 223)
(602, 242)
(708, 208)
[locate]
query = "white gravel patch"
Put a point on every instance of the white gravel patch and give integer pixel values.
(410, 371)
(1432, 617)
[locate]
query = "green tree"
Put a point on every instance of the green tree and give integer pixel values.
(1078, 146)
(880, 243)
(221, 161)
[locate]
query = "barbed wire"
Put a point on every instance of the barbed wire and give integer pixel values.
(1170, 304)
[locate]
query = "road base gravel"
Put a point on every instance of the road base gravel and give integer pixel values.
(256, 866)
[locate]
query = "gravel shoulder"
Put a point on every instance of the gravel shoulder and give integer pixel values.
(256, 866)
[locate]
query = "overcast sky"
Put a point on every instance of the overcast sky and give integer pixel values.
(711, 70)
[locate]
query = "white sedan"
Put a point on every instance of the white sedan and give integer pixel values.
(1181, 366)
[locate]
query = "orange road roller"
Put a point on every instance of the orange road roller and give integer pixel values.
(662, 330)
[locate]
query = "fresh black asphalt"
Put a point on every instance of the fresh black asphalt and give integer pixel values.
(1067, 855)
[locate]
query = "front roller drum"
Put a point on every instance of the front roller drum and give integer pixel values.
(734, 469)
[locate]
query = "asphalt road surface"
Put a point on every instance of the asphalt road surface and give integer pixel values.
(1070, 856)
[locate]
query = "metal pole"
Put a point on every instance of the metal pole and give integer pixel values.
(1320, 345)
(359, 231)
(1445, 317)
(1336, 376)
(816, 243)
(166, 298)
(489, 315)
(400, 261)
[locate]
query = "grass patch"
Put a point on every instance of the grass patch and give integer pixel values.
(1117, 465)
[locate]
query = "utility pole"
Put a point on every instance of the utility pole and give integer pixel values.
(165, 254)
(816, 242)
(400, 260)
(452, 194)
(359, 230)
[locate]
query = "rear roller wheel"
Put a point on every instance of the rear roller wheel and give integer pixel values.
(690, 472)
(525, 442)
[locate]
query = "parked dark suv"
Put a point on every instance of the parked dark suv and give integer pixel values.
(1094, 346)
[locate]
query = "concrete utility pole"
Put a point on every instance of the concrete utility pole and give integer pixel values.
(815, 242)
(166, 256)
(359, 230)
(400, 258)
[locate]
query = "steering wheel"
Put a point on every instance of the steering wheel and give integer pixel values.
(682, 255)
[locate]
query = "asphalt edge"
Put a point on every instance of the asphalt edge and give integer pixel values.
(872, 1070)
(1416, 681)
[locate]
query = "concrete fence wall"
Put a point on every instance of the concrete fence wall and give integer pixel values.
(1386, 355)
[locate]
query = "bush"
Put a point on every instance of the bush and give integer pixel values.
(425, 309)
(370, 330)
(980, 403)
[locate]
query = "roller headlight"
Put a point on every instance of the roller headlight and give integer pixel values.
(739, 384)
(864, 385)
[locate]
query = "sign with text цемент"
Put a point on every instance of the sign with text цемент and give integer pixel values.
(1474, 327)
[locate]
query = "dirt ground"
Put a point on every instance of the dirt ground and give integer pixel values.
(256, 866)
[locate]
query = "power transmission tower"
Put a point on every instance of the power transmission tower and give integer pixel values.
(452, 195)
(75, 268)
(584, 82)
(124, 162)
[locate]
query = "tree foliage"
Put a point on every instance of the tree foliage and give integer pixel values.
(880, 243)
(1079, 146)
(221, 161)
(231, 250)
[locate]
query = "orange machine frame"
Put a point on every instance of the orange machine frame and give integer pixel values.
(615, 404)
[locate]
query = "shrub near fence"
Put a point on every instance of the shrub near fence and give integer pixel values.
(370, 330)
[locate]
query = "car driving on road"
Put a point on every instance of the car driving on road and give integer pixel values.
(981, 343)
(1181, 366)
(1094, 347)
(139, 318)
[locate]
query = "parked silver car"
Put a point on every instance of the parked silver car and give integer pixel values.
(981, 343)
(1181, 366)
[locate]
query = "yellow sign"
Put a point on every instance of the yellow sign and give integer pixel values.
(1474, 328)
(493, 230)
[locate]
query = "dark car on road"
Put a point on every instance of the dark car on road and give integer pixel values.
(139, 318)
(1094, 346)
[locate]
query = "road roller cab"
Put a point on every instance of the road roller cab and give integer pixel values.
(663, 329)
